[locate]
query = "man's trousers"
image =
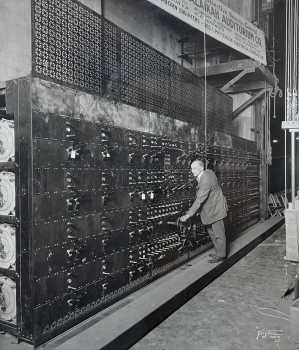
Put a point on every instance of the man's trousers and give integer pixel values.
(216, 232)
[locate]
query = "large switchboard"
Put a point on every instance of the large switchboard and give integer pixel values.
(95, 154)
(102, 218)
(105, 199)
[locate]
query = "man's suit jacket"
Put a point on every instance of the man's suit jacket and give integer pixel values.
(209, 199)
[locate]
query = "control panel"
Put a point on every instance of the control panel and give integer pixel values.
(103, 198)
(102, 213)
(105, 205)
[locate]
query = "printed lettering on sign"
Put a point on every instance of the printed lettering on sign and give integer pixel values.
(219, 22)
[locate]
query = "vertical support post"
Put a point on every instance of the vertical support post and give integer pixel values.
(293, 168)
(103, 8)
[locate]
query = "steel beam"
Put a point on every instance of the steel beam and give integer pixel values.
(236, 79)
(238, 65)
(246, 87)
(248, 103)
(228, 67)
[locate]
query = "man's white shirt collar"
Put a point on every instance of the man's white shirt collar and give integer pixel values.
(199, 176)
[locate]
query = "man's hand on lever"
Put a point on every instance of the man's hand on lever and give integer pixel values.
(183, 218)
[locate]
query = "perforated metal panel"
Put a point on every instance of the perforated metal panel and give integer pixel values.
(67, 44)
(156, 72)
(111, 60)
(186, 95)
(74, 46)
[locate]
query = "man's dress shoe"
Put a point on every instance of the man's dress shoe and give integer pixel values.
(216, 259)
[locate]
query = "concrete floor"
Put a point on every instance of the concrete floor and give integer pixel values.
(243, 308)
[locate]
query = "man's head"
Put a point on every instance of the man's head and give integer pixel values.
(197, 166)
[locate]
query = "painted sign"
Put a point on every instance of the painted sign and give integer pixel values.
(219, 22)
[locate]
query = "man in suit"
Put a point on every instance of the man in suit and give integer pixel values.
(213, 208)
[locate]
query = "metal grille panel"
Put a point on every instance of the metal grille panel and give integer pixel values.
(67, 44)
(74, 46)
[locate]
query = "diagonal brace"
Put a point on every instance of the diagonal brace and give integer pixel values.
(248, 103)
(237, 78)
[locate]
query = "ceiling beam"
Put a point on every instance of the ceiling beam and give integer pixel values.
(227, 67)
(248, 103)
(238, 65)
(247, 87)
